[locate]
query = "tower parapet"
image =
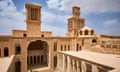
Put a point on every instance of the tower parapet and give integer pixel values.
(33, 19)
(76, 11)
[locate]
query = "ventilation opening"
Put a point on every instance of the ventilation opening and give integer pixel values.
(42, 35)
(24, 35)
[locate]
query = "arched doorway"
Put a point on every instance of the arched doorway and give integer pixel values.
(37, 54)
(6, 51)
(55, 62)
(18, 66)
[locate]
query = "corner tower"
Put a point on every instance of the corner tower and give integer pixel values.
(75, 22)
(33, 19)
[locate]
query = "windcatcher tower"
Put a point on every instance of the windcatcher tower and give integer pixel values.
(75, 23)
(33, 19)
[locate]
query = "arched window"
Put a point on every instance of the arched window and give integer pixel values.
(92, 32)
(64, 47)
(17, 50)
(77, 47)
(6, 51)
(68, 47)
(86, 32)
(80, 32)
(55, 46)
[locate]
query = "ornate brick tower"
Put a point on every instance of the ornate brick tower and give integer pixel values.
(33, 19)
(75, 23)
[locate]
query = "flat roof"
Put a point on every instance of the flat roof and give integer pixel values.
(109, 60)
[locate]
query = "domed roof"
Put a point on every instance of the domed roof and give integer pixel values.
(86, 28)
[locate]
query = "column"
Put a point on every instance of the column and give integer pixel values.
(78, 69)
(68, 64)
(73, 66)
(94, 68)
(63, 63)
(83, 66)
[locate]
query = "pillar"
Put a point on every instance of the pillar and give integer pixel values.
(78, 69)
(83, 66)
(73, 66)
(64, 63)
(68, 64)
(94, 68)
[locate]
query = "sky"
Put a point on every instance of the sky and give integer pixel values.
(101, 15)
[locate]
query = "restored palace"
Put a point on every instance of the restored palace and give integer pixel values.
(81, 50)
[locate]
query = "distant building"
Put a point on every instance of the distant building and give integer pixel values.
(38, 50)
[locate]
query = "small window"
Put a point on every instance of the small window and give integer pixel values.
(42, 35)
(18, 49)
(94, 41)
(24, 35)
(6, 52)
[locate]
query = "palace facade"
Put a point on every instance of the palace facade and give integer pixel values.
(36, 50)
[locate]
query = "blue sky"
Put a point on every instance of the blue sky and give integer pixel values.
(101, 15)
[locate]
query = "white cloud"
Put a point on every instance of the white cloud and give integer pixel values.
(53, 4)
(111, 22)
(10, 18)
(87, 6)
(53, 22)
(57, 31)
